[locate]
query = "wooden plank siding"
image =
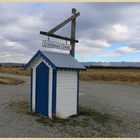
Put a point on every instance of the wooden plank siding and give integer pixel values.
(66, 104)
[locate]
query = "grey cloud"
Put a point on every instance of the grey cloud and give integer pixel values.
(95, 22)
(135, 44)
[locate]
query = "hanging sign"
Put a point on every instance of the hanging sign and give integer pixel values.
(55, 45)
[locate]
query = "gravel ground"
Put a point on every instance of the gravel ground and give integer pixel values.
(119, 100)
(14, 124)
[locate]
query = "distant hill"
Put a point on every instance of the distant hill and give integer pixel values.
(87, 64)
(12, 64)
(112, 64)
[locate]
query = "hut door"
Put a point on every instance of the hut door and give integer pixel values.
(42, 86)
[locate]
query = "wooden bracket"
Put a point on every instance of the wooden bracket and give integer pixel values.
(73, 31)
(63, 23)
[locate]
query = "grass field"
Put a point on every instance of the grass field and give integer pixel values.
(12, 70)
(10, 81)
(124, 76)
(112, 75)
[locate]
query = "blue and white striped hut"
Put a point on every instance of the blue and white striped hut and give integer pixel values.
(54, 84)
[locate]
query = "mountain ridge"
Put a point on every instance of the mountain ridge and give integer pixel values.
(87, 64)
(112, 64)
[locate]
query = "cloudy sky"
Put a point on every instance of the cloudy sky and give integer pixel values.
(106, 31)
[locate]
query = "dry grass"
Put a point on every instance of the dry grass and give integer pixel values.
(20, 106)
(84, 125)
(123, 76)
(112, 75)
(12, 70)
(10, 81)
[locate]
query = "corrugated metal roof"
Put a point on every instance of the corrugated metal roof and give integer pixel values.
(58, 60)
(63, 60)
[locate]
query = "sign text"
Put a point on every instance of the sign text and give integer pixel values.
(55, 45)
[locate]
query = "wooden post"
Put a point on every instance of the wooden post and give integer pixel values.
(73, 29)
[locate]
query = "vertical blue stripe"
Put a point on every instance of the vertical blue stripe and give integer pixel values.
(54, 84)
(31, 90)
(78, 92)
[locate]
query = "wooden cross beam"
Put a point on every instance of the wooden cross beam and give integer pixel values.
(57, 36)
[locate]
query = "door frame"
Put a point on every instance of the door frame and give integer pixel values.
(47, 89)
